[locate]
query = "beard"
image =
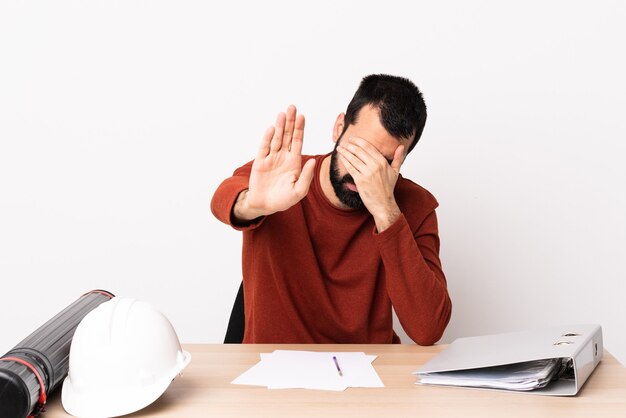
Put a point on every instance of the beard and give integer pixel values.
(347, 197)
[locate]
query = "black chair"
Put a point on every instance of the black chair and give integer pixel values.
(237, 321)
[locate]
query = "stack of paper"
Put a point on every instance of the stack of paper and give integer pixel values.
(284, 369)
(528, 375)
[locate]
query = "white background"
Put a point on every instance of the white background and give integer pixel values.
(118, 119)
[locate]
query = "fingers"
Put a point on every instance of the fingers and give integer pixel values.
(277, 139)
(298, 135)
(348, 165)
(351, 161)
(370, 156)
(362, 155)
(398, 158)
(288, 132)
(368, 153)
(289, 125)
(264, 149)
(306, 176)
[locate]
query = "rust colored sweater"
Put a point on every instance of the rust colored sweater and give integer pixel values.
(318, 274)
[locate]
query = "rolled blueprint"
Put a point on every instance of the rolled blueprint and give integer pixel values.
(38, 364)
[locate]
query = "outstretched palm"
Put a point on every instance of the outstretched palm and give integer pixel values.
(278, 180)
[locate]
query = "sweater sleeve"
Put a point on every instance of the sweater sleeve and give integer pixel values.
(414, 278)
(225, 197)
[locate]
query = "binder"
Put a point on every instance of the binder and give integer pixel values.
(582, 344)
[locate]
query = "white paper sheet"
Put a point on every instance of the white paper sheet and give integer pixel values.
(286, 369)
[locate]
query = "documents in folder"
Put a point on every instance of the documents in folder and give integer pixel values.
(528, 375)
(284, 369)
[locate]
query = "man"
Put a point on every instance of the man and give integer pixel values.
(332, 242)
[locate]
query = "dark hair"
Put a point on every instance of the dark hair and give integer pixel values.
(399, 101)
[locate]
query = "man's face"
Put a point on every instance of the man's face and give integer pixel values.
(369, 128)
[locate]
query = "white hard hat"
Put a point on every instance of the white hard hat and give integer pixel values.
(124, 355)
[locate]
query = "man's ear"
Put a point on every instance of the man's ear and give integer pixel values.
(338, 128)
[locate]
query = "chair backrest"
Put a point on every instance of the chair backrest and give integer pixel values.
(237, 321)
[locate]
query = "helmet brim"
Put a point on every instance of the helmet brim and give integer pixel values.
(115, 400)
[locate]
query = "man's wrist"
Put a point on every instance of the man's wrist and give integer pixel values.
(241, 210)
(387, 217)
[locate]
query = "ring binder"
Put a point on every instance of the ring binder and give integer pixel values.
(578, 346)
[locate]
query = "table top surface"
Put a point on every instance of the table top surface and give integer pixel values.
(204, 389)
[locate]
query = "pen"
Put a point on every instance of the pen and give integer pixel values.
(337, 365)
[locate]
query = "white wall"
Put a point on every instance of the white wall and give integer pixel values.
(119, 119)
